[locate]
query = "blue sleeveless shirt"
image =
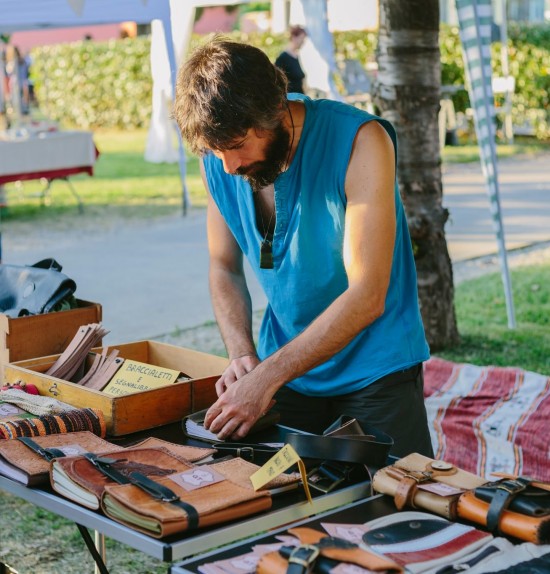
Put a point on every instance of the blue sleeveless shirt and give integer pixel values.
(308, 266)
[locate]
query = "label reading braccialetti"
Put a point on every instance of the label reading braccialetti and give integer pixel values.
(134, 377)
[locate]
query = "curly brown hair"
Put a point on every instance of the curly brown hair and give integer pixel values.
(224, 89)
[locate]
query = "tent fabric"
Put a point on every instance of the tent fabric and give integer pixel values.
(17, 15)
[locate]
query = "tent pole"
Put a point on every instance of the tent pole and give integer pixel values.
(477, 63)
(166, 23)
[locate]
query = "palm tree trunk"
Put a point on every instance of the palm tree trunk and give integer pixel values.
(408, 94)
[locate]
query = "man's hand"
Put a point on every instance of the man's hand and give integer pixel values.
(238, 367)
(238, 408)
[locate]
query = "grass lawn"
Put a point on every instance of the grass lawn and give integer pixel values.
(126, 184)
(123, 181)
(482, 321)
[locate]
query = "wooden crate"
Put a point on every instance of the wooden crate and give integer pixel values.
(137, 411)
(40, 335)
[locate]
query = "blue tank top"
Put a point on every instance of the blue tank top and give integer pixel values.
(309, 273)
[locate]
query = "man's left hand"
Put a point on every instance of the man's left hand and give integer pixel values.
(238, 408)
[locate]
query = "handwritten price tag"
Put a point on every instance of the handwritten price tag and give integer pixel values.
(276, 465)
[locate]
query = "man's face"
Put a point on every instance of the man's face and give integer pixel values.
(259, 157)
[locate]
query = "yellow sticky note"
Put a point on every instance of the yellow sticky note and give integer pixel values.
(276, 465)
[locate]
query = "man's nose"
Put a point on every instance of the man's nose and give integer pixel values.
(231, 161)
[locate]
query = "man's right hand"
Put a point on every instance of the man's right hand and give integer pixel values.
(236, 369)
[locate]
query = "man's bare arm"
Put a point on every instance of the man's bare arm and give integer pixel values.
(230, 297)
(368, 250)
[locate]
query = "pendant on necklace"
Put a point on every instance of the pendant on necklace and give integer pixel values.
(266, 254)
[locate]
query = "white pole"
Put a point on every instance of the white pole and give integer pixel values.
(508, 128)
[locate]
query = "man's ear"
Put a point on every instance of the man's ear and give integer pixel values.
(261, 132)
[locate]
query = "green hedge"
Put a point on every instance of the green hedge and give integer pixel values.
(89, 84)
(108, 84)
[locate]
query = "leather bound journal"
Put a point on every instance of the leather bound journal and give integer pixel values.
(191, 498)
(83, 478)
(24, 464)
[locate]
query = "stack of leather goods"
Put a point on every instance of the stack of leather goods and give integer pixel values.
(518, 507)
(160, 488)
(70, 365)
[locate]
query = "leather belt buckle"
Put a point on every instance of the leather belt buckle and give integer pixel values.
(512, 486)
(246, 453)
(302, 558)
(328, 475)
(418, 476)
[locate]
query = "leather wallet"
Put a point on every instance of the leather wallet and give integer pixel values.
(421, 482)
(31, 467)
(512, 507)
(192, 498)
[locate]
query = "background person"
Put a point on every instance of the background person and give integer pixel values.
(289, 62)
(306, 189)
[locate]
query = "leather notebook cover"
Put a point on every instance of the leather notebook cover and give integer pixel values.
(21, 463)
(216, 493)
(534, 529)
(421, 490)
(79, 480)
(193, 425)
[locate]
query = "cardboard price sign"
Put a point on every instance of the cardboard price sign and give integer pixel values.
(134, 377)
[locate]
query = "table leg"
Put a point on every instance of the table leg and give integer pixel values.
(46, 193)
(98, 558)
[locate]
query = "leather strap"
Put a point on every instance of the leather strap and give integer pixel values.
(105, 466)
(363, 445)
(163, 493)
(505, 492)
(46, 453)
(258, 454)
(337, 549)
(404, 495)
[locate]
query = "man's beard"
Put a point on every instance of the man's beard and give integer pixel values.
(260, 174)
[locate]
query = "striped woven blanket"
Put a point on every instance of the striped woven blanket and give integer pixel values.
(489, 419)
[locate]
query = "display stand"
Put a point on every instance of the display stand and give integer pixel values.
(353, 513)
(287, 507)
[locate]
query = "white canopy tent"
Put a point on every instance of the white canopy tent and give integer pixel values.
(41, 14)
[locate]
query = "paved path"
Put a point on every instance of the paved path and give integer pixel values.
(151, 278)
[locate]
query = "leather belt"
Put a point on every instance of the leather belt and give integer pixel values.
(345, 441)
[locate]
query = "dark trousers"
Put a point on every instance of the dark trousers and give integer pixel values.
(393, 404)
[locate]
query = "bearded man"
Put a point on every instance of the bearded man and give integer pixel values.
(306, 190)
